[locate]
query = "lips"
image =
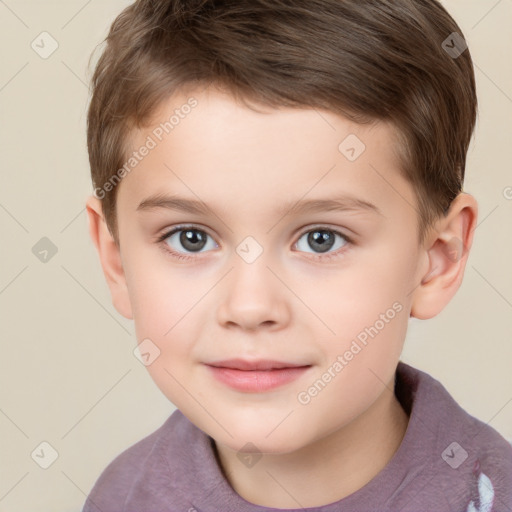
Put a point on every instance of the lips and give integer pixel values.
(261, 364)
(256, 376)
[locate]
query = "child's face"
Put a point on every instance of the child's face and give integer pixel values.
(291, 303)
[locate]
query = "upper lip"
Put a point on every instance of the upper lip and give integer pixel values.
(260, 364)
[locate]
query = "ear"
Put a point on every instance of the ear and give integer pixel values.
(110, 257)
(447, 249)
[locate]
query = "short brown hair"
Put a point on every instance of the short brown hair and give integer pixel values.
(369, 60)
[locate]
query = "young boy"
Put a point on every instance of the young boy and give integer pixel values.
(259, 130)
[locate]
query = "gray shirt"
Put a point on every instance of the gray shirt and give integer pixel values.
(448, 461)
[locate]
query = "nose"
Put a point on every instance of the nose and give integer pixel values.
(253, 297)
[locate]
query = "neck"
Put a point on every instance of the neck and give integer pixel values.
(326, 470)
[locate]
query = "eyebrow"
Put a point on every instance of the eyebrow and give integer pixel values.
(193, 206)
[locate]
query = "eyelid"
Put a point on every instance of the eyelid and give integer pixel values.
(326, 227)
(166, 233)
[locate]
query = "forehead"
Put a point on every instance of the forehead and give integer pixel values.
(204, 144)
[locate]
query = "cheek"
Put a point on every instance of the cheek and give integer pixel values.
(356, 368)
(162, 295)
(365, 309)
(348, 300)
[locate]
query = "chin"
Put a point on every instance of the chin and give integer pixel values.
(252, 441)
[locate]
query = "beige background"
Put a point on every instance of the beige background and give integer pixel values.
(68, 373)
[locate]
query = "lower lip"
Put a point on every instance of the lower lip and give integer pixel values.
(256, 381)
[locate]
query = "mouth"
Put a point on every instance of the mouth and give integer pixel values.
(256, 376)
(259, 364)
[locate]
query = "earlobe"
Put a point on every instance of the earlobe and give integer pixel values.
(447, 251)
(110, 257)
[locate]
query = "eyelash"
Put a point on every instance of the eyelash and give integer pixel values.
(319, 257)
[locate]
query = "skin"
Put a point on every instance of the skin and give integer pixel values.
(286, 305)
